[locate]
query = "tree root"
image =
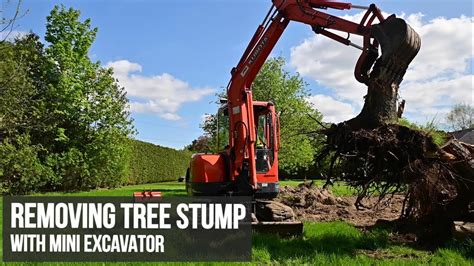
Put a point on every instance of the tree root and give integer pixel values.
(393, 159)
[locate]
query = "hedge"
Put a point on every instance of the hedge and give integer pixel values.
(151, 163)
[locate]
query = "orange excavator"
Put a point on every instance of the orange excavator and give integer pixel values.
(249, 164)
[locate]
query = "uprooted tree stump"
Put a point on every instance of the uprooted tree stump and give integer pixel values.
(438, 182)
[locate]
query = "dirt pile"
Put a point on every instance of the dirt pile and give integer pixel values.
(311, 203)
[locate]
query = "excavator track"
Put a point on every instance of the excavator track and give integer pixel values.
(400, 44)
(283, 229)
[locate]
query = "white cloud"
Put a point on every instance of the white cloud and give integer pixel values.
(446, 47)
(331, 64)
(439, 77)
(161, 94)
(123, 67)
(333, 110)
(436, 97)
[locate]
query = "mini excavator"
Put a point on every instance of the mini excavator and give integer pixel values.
(249, 164)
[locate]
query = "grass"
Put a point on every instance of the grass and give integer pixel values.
(430, 128)
(338, 243)
(167, 189)
(339, 189)
(334, 243)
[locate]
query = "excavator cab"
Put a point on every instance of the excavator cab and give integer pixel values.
(209, 173)
(266, 149)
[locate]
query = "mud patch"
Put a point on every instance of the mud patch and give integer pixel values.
(385, 254)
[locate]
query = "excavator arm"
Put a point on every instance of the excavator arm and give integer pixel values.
(397, 41)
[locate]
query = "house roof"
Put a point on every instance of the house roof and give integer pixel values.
(466, 135)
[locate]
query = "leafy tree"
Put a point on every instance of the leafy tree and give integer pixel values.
(21, 65)
(201, 144)
(216, 131)
(63, 118)
(21, 168)
(297, 117)
(461, 117)
(21, 112)
(89, 122)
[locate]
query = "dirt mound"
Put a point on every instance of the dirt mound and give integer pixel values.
(311, 203)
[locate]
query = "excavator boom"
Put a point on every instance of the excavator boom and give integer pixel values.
(399, 44)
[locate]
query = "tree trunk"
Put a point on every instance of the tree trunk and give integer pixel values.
(380, 108)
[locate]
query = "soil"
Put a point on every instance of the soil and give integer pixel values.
(311, 203)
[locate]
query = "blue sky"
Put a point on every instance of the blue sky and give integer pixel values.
(172, 55)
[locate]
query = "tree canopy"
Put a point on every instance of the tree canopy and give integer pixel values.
(64, 120)
(461, 117)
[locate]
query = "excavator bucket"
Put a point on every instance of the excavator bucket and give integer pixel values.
(272, 217)
(399, 44)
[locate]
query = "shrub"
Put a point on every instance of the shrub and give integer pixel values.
(152, 163)
(21, 171)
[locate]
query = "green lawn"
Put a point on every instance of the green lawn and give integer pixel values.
(167, 189)
(322, 243)
(338, 189)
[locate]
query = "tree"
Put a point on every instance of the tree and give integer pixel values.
(382, 158)
(289, 93)
(216, 131)
(201, 144)
(22, 83)
(21, 115)
(64, 122)
(90, 123)
(461, 117)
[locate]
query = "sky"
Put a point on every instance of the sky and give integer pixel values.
(172, 56)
